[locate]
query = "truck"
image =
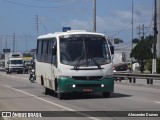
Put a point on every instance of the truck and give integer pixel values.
(13, 63)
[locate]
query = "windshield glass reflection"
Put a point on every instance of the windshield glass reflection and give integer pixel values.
(84, 50)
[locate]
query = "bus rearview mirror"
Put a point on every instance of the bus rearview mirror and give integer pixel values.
(54, 51)
(112, 49)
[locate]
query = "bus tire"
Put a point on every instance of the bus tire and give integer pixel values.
(47, 91)
(106, 94)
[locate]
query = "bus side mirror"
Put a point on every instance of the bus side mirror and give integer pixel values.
(112, 49)
(54, 51)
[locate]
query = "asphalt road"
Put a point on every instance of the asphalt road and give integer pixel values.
(18, 94)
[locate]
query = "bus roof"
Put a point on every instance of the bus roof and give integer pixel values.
(50, 35)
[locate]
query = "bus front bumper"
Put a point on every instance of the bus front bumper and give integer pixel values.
(68, 85)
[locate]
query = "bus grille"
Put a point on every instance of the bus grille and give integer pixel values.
(87, 77)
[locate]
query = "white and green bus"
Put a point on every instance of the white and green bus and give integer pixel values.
(74, 61)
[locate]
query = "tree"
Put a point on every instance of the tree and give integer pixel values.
(135, 40)
(142, 51)
(117, 41)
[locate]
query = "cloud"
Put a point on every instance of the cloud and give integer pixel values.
(123, 15)
(104, 24)
(137, 13)
(117, 22)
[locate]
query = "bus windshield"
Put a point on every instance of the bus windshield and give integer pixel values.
(84, 50)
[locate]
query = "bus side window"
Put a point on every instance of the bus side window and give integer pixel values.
(39, 50)
(52, 57)
(44, 51)
(50, 44)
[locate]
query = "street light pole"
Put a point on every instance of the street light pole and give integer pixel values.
(94, 15)
(132, 39)
(14, 40)
(132, 24)
(155, 39)
(158, 36)
(37, 27)
(1, 44)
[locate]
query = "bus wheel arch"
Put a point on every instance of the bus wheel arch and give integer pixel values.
(56, 84)
(42, 81)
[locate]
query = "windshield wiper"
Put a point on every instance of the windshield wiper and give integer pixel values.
(78, 61)
(81, 57)
(96, 63)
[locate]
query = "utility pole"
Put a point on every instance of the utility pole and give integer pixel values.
(158, 37)
(1, 43)
(6, 41)
(94, 15)
(141, 31)
(1, 47)
(26, 38)
(132, 25)
(14, 40)
(155, 38)
(37, 22)
(132, 39)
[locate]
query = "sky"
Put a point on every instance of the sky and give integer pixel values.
(114, 19)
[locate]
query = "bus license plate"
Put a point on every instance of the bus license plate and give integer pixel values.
(87, 90)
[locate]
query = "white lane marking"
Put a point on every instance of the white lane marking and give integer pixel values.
(55, 104)
(157, 101)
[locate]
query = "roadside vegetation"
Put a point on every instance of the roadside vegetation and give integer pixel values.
(143, 54)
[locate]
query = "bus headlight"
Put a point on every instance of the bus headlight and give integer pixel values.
(102, 85)
(73, 85)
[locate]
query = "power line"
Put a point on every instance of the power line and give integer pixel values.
(122, 30)
(57, 1)
(80, 13)
(75, 12)
(35, 6)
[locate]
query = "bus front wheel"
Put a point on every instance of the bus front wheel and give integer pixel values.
(106, 94)
(47, 91)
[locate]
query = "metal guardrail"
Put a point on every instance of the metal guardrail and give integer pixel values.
(133, 76)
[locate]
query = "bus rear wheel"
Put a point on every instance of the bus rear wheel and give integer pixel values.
(106, 94)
